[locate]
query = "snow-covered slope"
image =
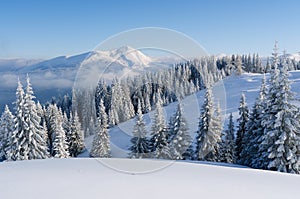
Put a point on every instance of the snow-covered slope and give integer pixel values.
(92, 178)
(226, 92)
(15, 64)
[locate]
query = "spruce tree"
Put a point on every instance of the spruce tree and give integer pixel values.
(58, 135)
(75, 136)
(242, 121)
(207, 139)
(217, 127)
(6, 129)
(40, 113)
(254, 130)
(35, 133)
(159, 135)
(280, 145)
(101, 143)
(28, 138)
(66, 125)
(18, 139)
(227, 146)
(140, 145)
(181, 140)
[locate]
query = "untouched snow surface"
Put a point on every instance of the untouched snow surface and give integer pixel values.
(90, 178)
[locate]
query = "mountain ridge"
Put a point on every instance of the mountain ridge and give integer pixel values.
(56, 76)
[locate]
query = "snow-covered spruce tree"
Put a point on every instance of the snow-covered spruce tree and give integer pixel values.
(140, 145)
(242, 121)
(170, 128)
(121, 105)
(40, 113)
(159, 139)
(66, 124)
(147, 104)
(58, 135)
(270, 100)
(254, 129)
(50, 113)
(101, 143)
(28, 138)
(18, 138)
(281, 140)
(6, 129)
(34, 132)
(181, 139)
(217, 127)
(75, 136)
(102, 93)
(128, 110)
(115, 103)
(83, 101)
(207, 139)
(227, 146)
(238, 65)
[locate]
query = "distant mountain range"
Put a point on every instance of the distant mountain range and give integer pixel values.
(56, 76)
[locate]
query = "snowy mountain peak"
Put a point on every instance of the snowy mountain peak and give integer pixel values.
(125, 56)
(124, 50)
(130, 56)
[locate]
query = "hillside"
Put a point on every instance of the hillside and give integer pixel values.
(227, 92)
(90, 178)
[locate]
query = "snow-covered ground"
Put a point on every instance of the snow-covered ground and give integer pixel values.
(90, 178)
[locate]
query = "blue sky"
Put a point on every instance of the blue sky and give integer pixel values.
(49, 28)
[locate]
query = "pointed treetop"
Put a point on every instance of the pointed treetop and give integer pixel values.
(6, 108)
(275, 57)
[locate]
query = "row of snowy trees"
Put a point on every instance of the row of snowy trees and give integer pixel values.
(174, 141)
(121, 98)
(267, 137)
(36, 132)
(165, 142)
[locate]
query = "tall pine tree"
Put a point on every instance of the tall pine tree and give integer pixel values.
(57, 134)
(6, 129)
(140, 145)
(18, 138)
(254, 129)
(159, 140)
(35, 133)
(227, 146)
(181, 139)
(75, 141)
(207, 138)
(101, 144)
(280, 146)
(242, 121)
